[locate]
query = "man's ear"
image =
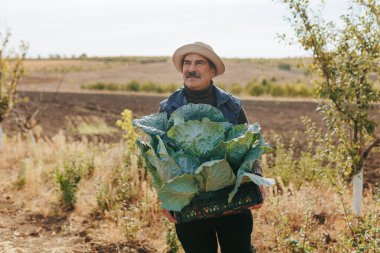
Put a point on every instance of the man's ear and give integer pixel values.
(213, 71)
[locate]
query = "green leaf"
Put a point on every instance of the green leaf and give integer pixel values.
(144, 148)
(244, 175)
(154, 124)
(369, 127)
(165, 165)
(186, 162)
(237, 148)
(178, 192)
(265, 146)
(214, 175)
(219, 152)
(227, 126)
(240, 140)
(195, 112)
(197, 138)
(237, 131)
(253, 154)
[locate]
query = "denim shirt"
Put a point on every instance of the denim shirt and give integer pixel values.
(228, 104)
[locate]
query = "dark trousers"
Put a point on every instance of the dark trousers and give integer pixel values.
(232, 231)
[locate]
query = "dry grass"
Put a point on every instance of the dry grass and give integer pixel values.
(311, 215)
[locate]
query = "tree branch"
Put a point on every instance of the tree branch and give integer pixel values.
(376, 143)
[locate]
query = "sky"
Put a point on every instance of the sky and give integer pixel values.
(234, 28)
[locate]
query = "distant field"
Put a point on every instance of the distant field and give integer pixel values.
(74, 73)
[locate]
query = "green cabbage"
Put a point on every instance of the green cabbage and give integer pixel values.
(198, 150)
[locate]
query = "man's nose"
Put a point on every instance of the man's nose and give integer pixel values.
(192, 67)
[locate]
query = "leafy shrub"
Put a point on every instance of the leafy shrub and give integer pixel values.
(264, 82)
(116, 191)
(172, 87)
(236, 89)
(316, 163)
(150, 87)
(96, 86)
(265, 87)
(69, 176)
(133, 86)
(113, 87)
(273, 79)
(255, 89)
(285, 66)
(277, 91)
(125, 123)
(363, 231)
(68, 180)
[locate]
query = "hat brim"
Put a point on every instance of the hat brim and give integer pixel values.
(181, 52)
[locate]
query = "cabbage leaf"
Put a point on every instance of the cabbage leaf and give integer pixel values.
(178, 192)
(197, 138)
(214, 175)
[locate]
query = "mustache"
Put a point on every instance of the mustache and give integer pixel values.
(193, 74)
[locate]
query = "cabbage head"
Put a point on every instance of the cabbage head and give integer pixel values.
(197, 150)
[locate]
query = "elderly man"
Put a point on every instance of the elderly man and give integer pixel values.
(198, 64)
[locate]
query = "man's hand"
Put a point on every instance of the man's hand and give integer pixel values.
(169, 216)
(263, 194)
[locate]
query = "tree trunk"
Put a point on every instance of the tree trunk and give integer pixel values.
(358, 191)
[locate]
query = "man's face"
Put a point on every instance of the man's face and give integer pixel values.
(196, 72)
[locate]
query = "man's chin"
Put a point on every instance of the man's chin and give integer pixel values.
(195, 85)
(191, 85)
(192, 82)
(193, 78)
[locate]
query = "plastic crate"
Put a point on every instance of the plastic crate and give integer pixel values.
(215, 203)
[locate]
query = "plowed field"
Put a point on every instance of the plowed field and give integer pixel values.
(64, 110)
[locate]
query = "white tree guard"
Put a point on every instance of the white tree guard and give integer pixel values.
(358, 192)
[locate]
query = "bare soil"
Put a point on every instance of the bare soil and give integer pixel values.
(280, 117)
(24, 231)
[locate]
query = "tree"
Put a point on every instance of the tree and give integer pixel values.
(344, 56)
(11, 70)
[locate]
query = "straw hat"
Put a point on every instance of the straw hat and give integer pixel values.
(198, 48)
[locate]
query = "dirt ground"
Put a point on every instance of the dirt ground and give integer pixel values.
(30, 232)
(23, 231)
(57, 111)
